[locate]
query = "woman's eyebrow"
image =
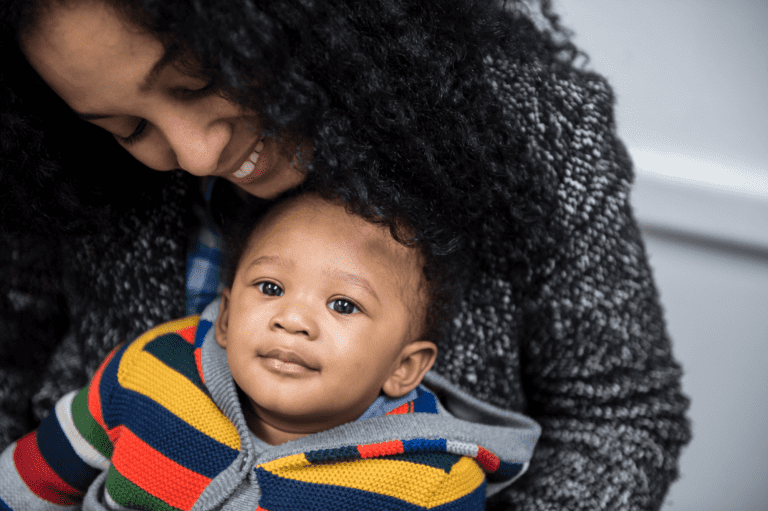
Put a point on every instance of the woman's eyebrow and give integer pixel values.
(170, 56)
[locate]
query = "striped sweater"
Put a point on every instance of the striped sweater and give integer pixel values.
(160, 427)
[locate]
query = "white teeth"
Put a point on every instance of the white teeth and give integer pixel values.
(245, 169)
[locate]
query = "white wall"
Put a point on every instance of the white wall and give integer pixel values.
(691, 79)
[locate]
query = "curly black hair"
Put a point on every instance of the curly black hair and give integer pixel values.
(405, 124)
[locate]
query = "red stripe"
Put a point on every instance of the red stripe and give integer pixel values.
(199, 363)
(40, 477)
(381, 449)
(94, 397)
(188, 334)
(489, 461)
(156, 474)
(403, 408)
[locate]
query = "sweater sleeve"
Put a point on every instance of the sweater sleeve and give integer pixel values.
(597, 363)
(53, 466)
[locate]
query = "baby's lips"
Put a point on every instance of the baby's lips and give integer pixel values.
(293, 357)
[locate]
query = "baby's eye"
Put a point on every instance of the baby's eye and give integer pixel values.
(270, 289)
(343, 306)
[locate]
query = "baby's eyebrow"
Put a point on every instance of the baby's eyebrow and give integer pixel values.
(268, 259)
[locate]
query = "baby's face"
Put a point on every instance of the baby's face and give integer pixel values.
(321, 307)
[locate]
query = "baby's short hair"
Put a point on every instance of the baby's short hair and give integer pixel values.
(441, 275)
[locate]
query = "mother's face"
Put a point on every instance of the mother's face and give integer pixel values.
(119, 78)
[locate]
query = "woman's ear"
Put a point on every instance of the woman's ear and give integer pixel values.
(415, 360)
(222, 321)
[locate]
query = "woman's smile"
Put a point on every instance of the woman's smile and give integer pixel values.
(127, 82)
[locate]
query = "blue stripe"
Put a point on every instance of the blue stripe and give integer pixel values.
(274, 490)
(425, 403)
(109, 385)
(202, 329)
(425, 445)
(4, 506)
(159, 428)
(171, 436)
(61, 457)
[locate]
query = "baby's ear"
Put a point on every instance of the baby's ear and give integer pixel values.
(415, 360)
(222, 321)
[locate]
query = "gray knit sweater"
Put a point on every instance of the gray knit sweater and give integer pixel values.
(583, 350)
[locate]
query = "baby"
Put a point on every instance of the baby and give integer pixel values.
(301, 388)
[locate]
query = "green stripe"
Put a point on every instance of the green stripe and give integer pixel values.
(88, 427)
(127, 494)
(175, 352)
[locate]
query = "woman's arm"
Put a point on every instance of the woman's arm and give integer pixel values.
(597, 364)
(32, 320)
(52, 467)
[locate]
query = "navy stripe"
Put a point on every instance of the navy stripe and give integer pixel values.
(175, 352)
(339, 453)
(108, 385)
(4, 506)
(159, 428)
(505, 471)
(171, 436)
(61, 457)
(274, 490)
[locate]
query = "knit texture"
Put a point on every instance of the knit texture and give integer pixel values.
(582, 347)
(149, 421)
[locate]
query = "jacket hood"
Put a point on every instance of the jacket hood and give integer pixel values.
(443, 419)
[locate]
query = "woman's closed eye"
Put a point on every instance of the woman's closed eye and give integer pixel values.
(270, 289)
(183, 93)
(211, 86)
(138, 134)
(343, 306)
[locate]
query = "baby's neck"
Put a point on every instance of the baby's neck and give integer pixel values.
(267, 433)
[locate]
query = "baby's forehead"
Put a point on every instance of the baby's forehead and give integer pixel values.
(309, 215)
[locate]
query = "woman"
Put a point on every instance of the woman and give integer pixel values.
(467, 118)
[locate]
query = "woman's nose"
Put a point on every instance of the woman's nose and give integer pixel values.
(295, 318)
(197, 144)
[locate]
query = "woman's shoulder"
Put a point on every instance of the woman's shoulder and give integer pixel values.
(565, 115)
(549, 98)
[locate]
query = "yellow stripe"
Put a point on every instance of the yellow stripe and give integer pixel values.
(411, 482)
(465, 477)
(143, 373)
(293, 462)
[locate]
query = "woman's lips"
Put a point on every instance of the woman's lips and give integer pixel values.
(248, 166)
